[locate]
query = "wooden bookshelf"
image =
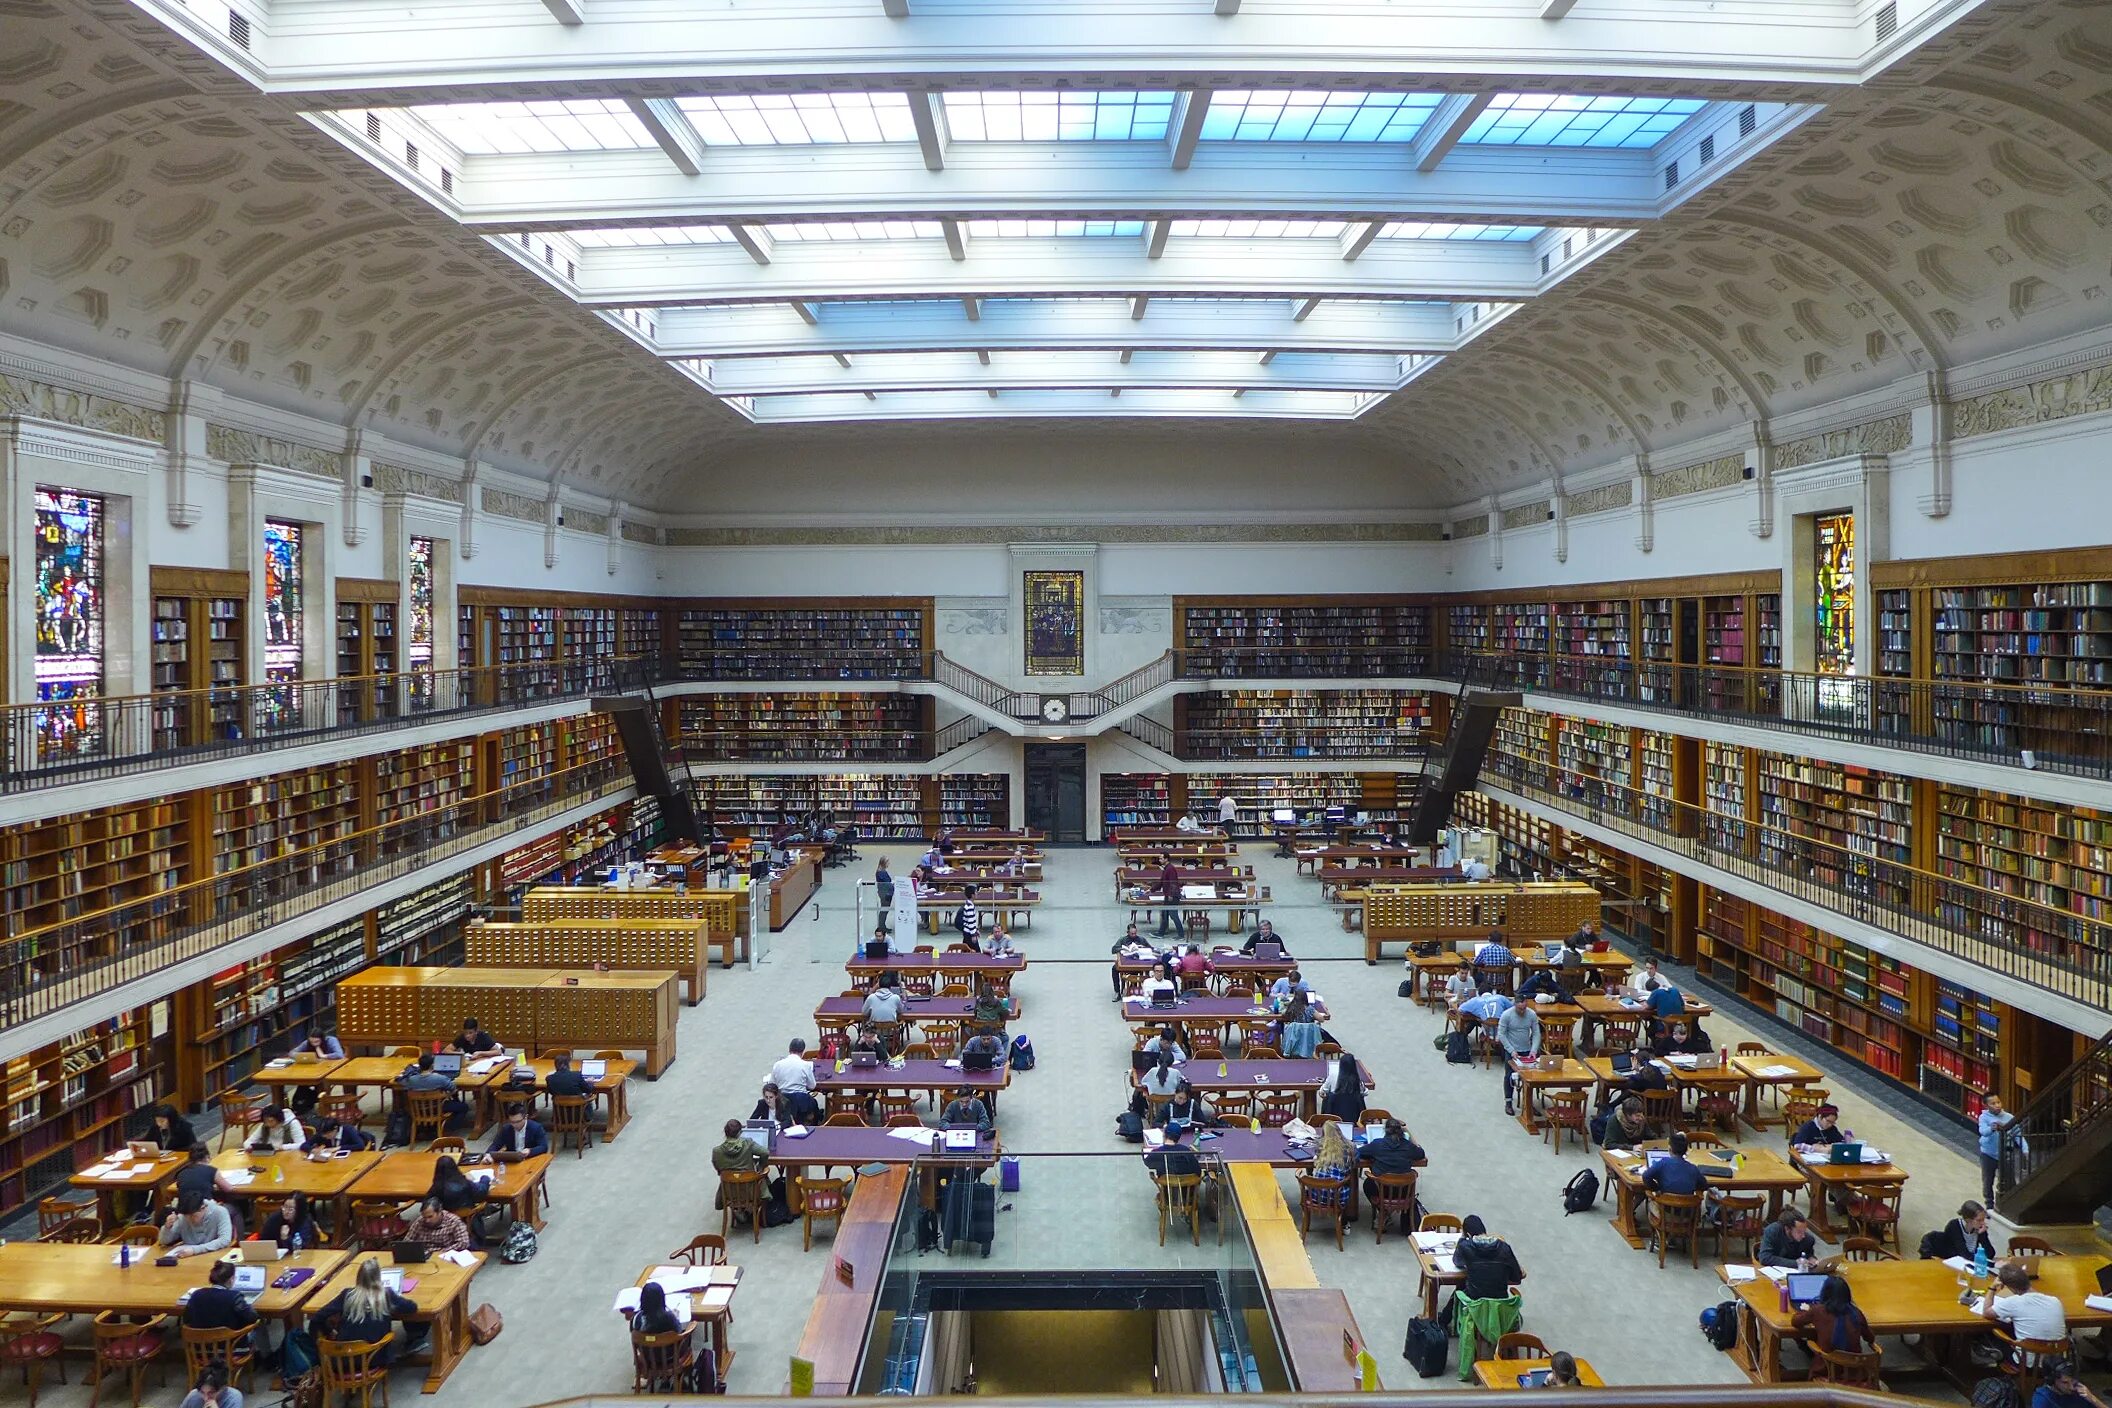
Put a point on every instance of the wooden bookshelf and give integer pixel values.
(1302, 723)
(1657, 645)
(1847, 809)
(2058, 857)
(1592, 638)
(276, 817)
(1137, 799)
(1535, 846)
(430, 781)
(589, 639)
(367, 649)
(1654, 765)
(1526, 734)
(1470, 626)
(527, 646)
(425, 926)
(71, 1102)
(882, 806)
(590, 741)
(248, 1013)
(807, 727)
(514, 760)
(1595, 760)
(1726, 771)
(638, 630)
(196, 643)
(1767, 631)
(871, 639)
(1260, 794)
(1271, 637)
(975, 801)
(1522, 628)
(92, 863)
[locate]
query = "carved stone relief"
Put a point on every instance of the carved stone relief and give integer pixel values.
(1618, 494)
(224, 442)
(1719, 473)
(20, 396)
(2057, 398)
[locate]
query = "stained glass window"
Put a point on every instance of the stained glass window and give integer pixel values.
(421, 603)
(1834, 594)
(69, 621)
(282, 600)
(1055, 609)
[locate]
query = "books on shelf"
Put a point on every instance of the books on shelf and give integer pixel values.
(1260, 795)
(802, 642)
(1824, 819)
(1135, 799)
(1305, 723)
(801, 728)
(1236, 639)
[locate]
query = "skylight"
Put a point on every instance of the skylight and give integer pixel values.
(799, 119)
(1048, 229)
(1559, 120)
(813, 231)
(1041, 116)
(636, 236)
(557, 125)
(1423, 230)
(1281, 115)
(1261, 229)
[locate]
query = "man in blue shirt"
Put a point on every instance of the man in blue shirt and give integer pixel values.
(1485, 1008)
(1675, 1174)
(1493, 961)
(1993, 1121)
(2064, 1388)
(1665, 1002)
(519, 1138)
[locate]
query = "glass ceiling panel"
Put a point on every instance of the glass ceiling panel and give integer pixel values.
(839, 230)
(1422, 230)
(559, 125)
(1559, 120)
(635, 237)
(799, 119)
(1261, 229)
(1058, 117)
(1045, 229)
(1281, 115)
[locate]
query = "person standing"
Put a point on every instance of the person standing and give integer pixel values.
(883, 891)
(1227, 811)
(1518, 1030)
(968, 919)
(1994, 1121)
(1170, 894)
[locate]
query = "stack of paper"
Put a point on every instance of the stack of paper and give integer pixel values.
(1739, 1275)
(458, 1258)
(1436, 1241)
(1777, 1274)
(238, 1177)
(713, 1298)
(1444, 1264)
(911, 1135)
(1776, 1072)
(2103, 1303)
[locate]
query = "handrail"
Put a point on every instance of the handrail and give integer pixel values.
(1142, 680)
(963, 730)
(1148, 731)
(2053, 949)
(2076, 1099)
(45, 744)
(981, 688)
(57, 965)
(1786, 1395)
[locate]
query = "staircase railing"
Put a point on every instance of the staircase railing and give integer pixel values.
(2072, 1102)
(963, 730)
(982, 689)
(1149, 732)
(1140, 681)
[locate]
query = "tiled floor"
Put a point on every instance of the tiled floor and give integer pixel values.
(624, 1206)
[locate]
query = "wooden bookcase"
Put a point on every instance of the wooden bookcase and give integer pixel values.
(367, 648)
(96, 863)
(1301, 723)
(638, 631)
(69, 1103)
(975, 801)
(424, 926)
(1279, 637)
(1596, 760)
(1592, 640)
(1260, 794)
(1137, 799)
(196, 631)
(249, 823)
(2059, 857)
(430, 781)
(807, 727)
(1726, 793)
(1654, 763)
(589, 639)
(1527, 734)
(1848, 809)
(878, 638)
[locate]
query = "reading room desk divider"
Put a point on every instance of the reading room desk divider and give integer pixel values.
(722, 910)
(1413, 913)
(626, 944)
(537, 1008)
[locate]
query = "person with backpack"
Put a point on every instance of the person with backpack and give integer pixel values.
(1342, 1092)
(1833, 1322)
(1963, 1236)
(1487, 1262)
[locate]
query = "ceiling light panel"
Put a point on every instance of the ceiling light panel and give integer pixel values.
(1113, 116)
(1053, 229)
(1285, 115)
(1560, 120)
(799, 119)
(1426, 230)
(633, 237)
(559, 125)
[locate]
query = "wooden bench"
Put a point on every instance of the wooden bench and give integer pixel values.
(627, 944)
(724, 911)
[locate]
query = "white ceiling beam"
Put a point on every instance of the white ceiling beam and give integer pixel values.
(567, 11)
(895, 9)
(806, 313)
(842, 360)
(1357, 238)
(756, 240)
(1493, 271)
(1303, 309)
(930, 120)
(1103, 324)
(671, 129)
(1227, 8)
(1186, 129)
(1506, 185)
(1074, 403)
(1556, 9)
(803, 376)
(1267, 357)
(973, 307)
(1137, 305)
(1155, 233)
(956, 239)
(1441, 133)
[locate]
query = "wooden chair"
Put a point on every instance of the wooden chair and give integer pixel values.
(448, 1144)
(1207, 1048)
(1873, 1211)
(821, 1198)
(238, 1114)
(428, 1112)
(1519, 1344)
(377, 1225)
(54, 1213)
(1676, 1215)
(352, 1367)
(1263, 1052)
(1327, 1048)
(942, 1038)
(743, 1193)
(1751, 1048)
(1557, 1038)
(513, 1099)
(1438, 1222)
(28, 1343)
(1180, 1195)
(80, 1231)
(2027, 1359)
(1704, 1139)
(137, 1234)
(1662, 1108)
(1277, 1108)
(607, 1053)
(1565, 1113)
(1618, 1035)
(1740, 1217)
(660, 1363)
(2024, 1244)
(1799, 1104)
(905, 1119)
(1866, 1249)
(126, 1347)
(704, 1249)
(404, 1053)
(568, 1120)
(1392, 1195)
(230, 1349)
(889, 1104)
(1373, 1114)
(844, 1119)
(919, 1051)
(1324, 1197)
(1847, 1368)
(1718, 1108)
(344, 1107)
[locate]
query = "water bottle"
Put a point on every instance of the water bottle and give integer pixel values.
(296, 1244)
(124, 1256)
(1980, 1260)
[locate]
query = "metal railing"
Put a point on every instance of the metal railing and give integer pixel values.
(53, 745)
(849, 664)
(45, 970)
(1148, 731)
(1786, 1395)
(1092, 703)
(2074, 1101)
(962, 731)
(1375, 660)
(2061, 952)
(808, 746)
(1317, 743)
(982, 689)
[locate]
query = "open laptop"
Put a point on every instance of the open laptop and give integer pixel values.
(1164, 999)
(864, 1060)
(1623, 1063)
(409, 1253)
(978, 1060)
(2104, 1279)
(143, 1149)
(249, 1280)
(759, 1132)
(392, 1279)
(447, 1063)
(1804, 1286)
(592, 1071)
(1268, 951)
(1848, 1151)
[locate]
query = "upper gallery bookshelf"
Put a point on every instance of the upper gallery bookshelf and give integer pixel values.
(1301, 723)
(806, 727)
(791, 639)
(1847, 827)
(1285, 638)
(197, 655)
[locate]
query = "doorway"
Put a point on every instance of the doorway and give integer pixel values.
(1056, 790)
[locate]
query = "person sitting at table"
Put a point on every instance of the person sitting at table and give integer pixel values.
(866, 1039)
(1298, 1032)
(1561, 1370)
(794, 1073)
(1624, 1126)
(331, 1134)
(1787, 1241)
(217, 1305)
(656, 1315)
(1185, 1108)
(1665, 1002)
(1173, 1157)
(1493, 961)
(2030, 1314)
(1162, 1079)
(1160, 983)
(198, 1226)
(736, 1153)
(1281, 990)
(1477, 1012)
(1393, 1154)
(787, 1107)
(210, 1390)
(1962, 1236)
(1342, 1090)
(366, 1311)
(1682, 1039)
(987, 1041)
(437, 1229)
(964, 1110)
(1833, 1322)
(1824, 1127)
(172, 1133)
(998, 942)
(1475, 869)
(1644, 980)
(1264, 933)
(199, 1176)
(884, 1002)
(423, 1077)
(1132, 945)
(457, 1192)
(1541, 982)
(990, 1010)
(518, 1138)
(1490, 1266)
(1675, 1174)
(1333, 1158)
(277, 1129)
(291, 1226)
(1460, 986)
(1643, 1077)
(2063, 1388)
(1166, 1039)
(1192, 965)
(473, 1040)
(322, 1046)
(566, 1081)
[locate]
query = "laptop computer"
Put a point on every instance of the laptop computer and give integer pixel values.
(1848, 1151)
(876, 950)
(143, 1149)
(1655, 1157)
(864, 1060)
(409, 1253)
(249, 1280)
(1535, 1378)
(392, 1279)
(759, 1132)
(1804, 1286)
(591, 1071)
(2104, 1279)
(1164, 999)
(1268, 950)
(1623, 1063)
(978, 1060)
(448, 1063)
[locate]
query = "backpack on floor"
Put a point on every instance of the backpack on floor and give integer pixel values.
(1130, 1125)
(1457, 1048)
(1997, 1391)
(1406, 989)
(520, 1244)
(1719, 1325)
(1580, 1194)
(1022, 1054)
(1426, 1347)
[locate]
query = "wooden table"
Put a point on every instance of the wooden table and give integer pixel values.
(842, 1146)
(1723, 1079)
(1195, 912)
(441, 1294)
(834, 1339)
(50, 1277)
(1334, 877)
(1197, 1009)
(1785, 1070)
(614, 1086)
(939, 967)
(1827, 1179)
(1610, 967)
(1505, 1373)
(326, 1181)
(1015, 906)
(1314, 857)
(534, 1009)
(110, 1193)
(382, 1072)
(1436, 1268)
(716, 1320)
(1228, 970)
(1428, 972)
(293, 1075)
(404, 1177)
(1908, 1298)
(1572, 1074)
(1235, 1143)
(1259, 1078)
(1602, 1009)
(1757, 1171)
(936, 1077)
(843, 1013)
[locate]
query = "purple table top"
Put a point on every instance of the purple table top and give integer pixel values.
(1242, 1075)
(918, 1075)
(938, 962)
(1195, 1006)
(843, 1145)
(1222, 962)
(914, 1009)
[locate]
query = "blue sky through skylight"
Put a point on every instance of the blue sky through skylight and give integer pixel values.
(1282, 115)
(1559, 120)
(1042, 116)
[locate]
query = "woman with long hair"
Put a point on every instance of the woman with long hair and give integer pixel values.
(368, 1310)
(1342, 1093)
